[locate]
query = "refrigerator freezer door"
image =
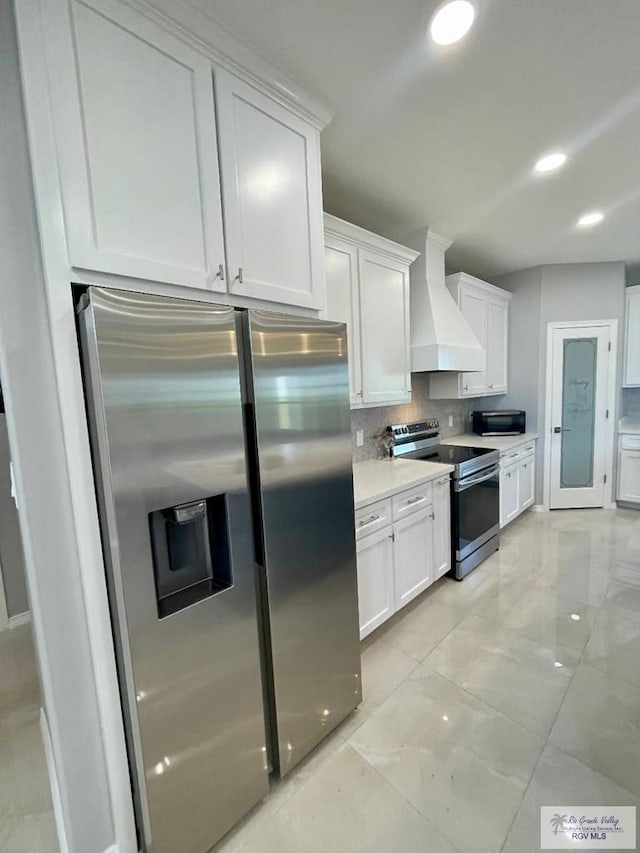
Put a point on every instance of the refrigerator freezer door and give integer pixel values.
(163, 390)
(300, 392)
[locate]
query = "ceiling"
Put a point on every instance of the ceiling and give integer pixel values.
(447, 137)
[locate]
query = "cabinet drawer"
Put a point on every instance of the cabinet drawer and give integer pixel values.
(373, 517)
(510, 457)
(412, 500)
(631, 442)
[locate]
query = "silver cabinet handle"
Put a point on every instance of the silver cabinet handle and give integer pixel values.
(513, 455)
(525, 465)
(490, 386)
(433, 516)
(466, 387)
(239, 277)
(220, 273)
(415, 500)
(509, 475)
(369, 520)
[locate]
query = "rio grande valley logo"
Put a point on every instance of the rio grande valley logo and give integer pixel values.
(588, 827)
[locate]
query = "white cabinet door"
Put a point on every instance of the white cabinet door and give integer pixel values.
(272, 197)
(632, 338)
(375, 580)
(341, 280)
(509, 494)
(413, 555)
(526, 483)
(441, 527)
(629, 476)
(136, 134)
(473, 305)
(384, 329)
(496, 345)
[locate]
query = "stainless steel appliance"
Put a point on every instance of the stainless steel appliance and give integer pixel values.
(505, 422)
(475, 490)
(222, 456)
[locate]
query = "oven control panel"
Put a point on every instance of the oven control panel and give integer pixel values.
(419, 428)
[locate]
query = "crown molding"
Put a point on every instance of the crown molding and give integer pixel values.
(187, 21)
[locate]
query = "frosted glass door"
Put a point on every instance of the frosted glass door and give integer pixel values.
(580, 357)
(579, 414)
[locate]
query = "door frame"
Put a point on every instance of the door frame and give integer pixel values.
(612, 394)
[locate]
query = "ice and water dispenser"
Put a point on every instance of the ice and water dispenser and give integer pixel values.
(191, 553)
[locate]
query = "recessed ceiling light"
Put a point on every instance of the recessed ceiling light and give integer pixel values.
(575, 617)
(550, 162)
(589, 219)
(452, 21)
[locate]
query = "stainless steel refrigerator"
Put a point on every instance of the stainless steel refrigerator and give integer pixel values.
(222, 458)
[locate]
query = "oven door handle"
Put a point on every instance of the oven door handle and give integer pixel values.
(462, 485)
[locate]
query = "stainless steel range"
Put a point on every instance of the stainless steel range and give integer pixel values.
(475, 489)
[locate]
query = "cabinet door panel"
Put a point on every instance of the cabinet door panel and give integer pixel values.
(474, 308)
(135, 126)
(341, 278)
(629, 476)
(632, 338)
(375, 580)
(496, 346)
(526, 481)
(272, 199)
(441, 527)
(509, 495)
(413, 555)
(384, 329)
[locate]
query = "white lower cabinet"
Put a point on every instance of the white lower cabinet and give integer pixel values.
(399, 559)
(441, 527)
(412, 555)
(629, 469)
(509, 506)
(376, 599)
(517, 482)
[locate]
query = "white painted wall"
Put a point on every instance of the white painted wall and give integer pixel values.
(549, 294)
(34, 424)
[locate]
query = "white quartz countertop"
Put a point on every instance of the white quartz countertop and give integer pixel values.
(493, 442)
(380, 478)
(628, 426)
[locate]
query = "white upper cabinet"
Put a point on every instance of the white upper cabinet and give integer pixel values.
(384, 328)
(341, 276)
(497, 345)
(631, 377)
(178, 165)
(271, 190)
(367, 286)
(136, 135)
(473, 305)
(486, 309)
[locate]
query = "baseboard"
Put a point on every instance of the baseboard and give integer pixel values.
(611, 505)
(53, 784)
(539, 508)
(19, 619)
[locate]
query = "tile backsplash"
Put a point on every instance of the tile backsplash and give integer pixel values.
(373, 422)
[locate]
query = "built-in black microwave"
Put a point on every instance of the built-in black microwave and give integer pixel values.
(505, 422)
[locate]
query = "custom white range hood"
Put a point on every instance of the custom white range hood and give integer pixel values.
(441, 338)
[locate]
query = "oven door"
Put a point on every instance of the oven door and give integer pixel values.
(476, 510)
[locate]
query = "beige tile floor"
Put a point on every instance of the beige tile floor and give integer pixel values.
(484, 700)
(26, 815)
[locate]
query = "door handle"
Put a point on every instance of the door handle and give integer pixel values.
(558, 430)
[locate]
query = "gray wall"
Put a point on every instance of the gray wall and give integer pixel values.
(33, 414)
(373, 421)
(550, 294)
(11, 555)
